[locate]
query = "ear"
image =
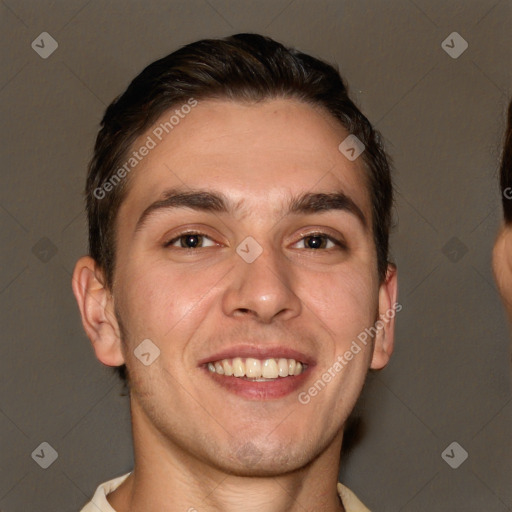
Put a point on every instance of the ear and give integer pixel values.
(96, 306)
(388, 308)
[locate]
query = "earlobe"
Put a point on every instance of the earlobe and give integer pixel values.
(96, 309)
(385, 325)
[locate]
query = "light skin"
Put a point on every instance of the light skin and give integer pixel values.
(502, 265)
(196, 444)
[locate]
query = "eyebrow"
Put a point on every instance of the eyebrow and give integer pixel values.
(208, 201)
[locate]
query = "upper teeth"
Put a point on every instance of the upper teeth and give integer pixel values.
(257, 368)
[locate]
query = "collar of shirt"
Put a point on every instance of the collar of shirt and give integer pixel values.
(99, 502)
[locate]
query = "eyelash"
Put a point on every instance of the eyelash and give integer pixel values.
(339, 243)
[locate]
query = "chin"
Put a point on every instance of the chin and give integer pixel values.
(249, 460)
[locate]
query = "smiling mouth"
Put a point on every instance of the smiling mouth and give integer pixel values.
(258, 370)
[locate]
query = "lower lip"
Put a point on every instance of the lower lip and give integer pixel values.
(268, 390)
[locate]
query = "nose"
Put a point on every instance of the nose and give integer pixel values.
(262, 289)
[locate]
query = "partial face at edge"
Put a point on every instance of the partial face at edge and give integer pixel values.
(502, 266)
(313, 289)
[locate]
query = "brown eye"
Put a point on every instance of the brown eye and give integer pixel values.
(316, 241)
(190, 241)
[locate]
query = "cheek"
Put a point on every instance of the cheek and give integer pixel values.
(345, 301)
(348, 293)
(160, 298)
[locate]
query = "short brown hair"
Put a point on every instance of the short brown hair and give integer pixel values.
(242, 67)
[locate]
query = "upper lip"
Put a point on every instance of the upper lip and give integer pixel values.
(259, 352)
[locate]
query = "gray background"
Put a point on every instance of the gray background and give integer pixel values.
(442, 119)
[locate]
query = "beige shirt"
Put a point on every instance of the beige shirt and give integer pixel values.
(99, 501)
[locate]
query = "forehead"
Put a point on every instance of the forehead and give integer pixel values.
(258, 153)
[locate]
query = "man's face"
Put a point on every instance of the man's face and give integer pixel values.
(201, 299)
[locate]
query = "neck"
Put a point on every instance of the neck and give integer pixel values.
(168, 478)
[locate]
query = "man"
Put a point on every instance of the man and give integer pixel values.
(502, 254)
(239, 211)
